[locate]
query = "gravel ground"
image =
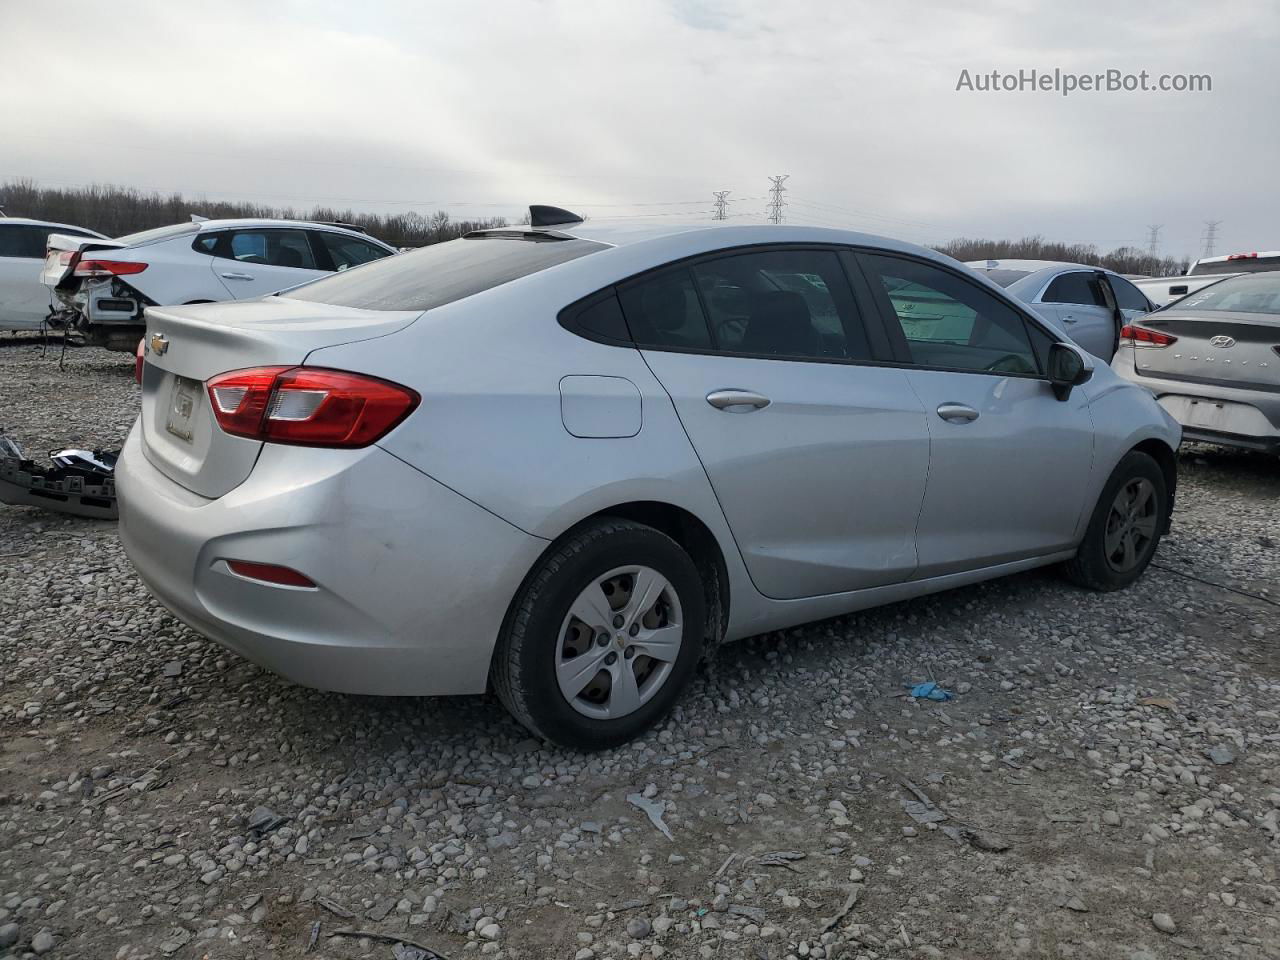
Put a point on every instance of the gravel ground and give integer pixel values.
(1105, 784)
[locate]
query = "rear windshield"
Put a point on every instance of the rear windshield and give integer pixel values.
(1241, 265)
(1004, 277)
(443, 272)
(1256, 293)
(158, 233)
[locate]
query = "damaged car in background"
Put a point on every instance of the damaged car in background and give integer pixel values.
(102, 286)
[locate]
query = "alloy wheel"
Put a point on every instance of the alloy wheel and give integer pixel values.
(619, 642)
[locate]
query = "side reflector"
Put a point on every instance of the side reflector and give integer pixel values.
(270, 573)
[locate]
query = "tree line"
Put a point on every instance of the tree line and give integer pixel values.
(1122, 260)
(116, 211)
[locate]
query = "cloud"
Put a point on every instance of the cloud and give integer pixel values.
(615, 107)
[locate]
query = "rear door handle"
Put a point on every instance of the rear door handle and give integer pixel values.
(737, 401)
(1069, 319)
(236, 276)
(957, 413)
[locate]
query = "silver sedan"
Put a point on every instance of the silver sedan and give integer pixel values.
(562, 462)
(1212, 359)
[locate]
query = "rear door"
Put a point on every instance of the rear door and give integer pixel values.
(257, 261)
(818, 455)
(1009, 462)
(1080, 303)
(24, 301)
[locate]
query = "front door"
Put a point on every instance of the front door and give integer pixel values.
(1009, 462)
(819, 461)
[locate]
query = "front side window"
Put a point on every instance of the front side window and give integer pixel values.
(1127, 295)
(347, 252)
(782, 303)
(950, 323)
(1077, 287)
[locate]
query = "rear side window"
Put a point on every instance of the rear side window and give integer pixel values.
(442, 273)
(347, 252)
(1078, 287)
(662, 310)
(1127, 295)
(949, 323)
(782, 303)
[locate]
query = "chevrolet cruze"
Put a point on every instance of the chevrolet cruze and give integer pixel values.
(563, 461)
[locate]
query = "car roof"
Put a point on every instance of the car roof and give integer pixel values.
(242, 222)
(1033, 266)
(714, 236)
(28, 222)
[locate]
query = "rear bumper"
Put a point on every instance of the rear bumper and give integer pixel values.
(413, 580)
(1211, 412)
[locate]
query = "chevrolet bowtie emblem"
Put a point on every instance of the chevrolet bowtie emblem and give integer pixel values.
(159, 343)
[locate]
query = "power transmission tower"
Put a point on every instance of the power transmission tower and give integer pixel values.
(776, 203)
(721, 211)
(1153, 239)
(1210, 236)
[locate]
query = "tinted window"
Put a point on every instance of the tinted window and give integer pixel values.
(951, 323)
(347, 252)
(782, 303)
(1127, 295)
(1004, 277)
(662, 310)
(442, 272)
(274, 248)
(1257, 293)
(1077, 287)
(601, 317)
(28, 240)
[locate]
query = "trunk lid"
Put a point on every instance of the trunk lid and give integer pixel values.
(1228, 349)
(186, 346)
(61, 252)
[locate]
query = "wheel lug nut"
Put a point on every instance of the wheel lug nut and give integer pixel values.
(602, 639)
(635, 628)
(618, 621)
(611, 659)
(629, 652)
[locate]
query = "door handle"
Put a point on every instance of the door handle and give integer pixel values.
(236, 276)
(957, 413)
(737, 401)
(1068, 319)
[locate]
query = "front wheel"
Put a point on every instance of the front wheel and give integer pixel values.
(603, 637)
(1126, 526)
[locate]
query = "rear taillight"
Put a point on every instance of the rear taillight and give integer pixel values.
(139, 359)
(308, 405)
(270, 573)
(108, 268)
(1145, 336)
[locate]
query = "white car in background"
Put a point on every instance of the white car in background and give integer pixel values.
(104, 285)
(24, 301)
(1089, 304)
(1206, 271)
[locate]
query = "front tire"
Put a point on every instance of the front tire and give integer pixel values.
(1126, 526)
(603, 636)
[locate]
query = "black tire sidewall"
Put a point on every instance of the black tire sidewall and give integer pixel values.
(1093, 549)
(549, 605)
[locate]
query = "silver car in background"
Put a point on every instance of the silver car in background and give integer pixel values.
(561, 462)
(1212, 359)
(1089, 304)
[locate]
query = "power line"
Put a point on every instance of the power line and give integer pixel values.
(776, 203)
(860, 214)
(721, 205)
(1153, 238)
(1210, 236)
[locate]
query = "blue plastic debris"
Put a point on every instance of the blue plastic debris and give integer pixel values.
(929, 691)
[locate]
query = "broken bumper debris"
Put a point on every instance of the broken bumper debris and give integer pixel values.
(79, 482)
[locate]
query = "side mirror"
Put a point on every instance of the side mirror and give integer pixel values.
(1069, 367)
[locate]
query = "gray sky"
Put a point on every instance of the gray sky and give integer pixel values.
(644, 107)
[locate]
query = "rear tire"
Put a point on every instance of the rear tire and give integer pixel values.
(1126, 526)
(624, 673)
